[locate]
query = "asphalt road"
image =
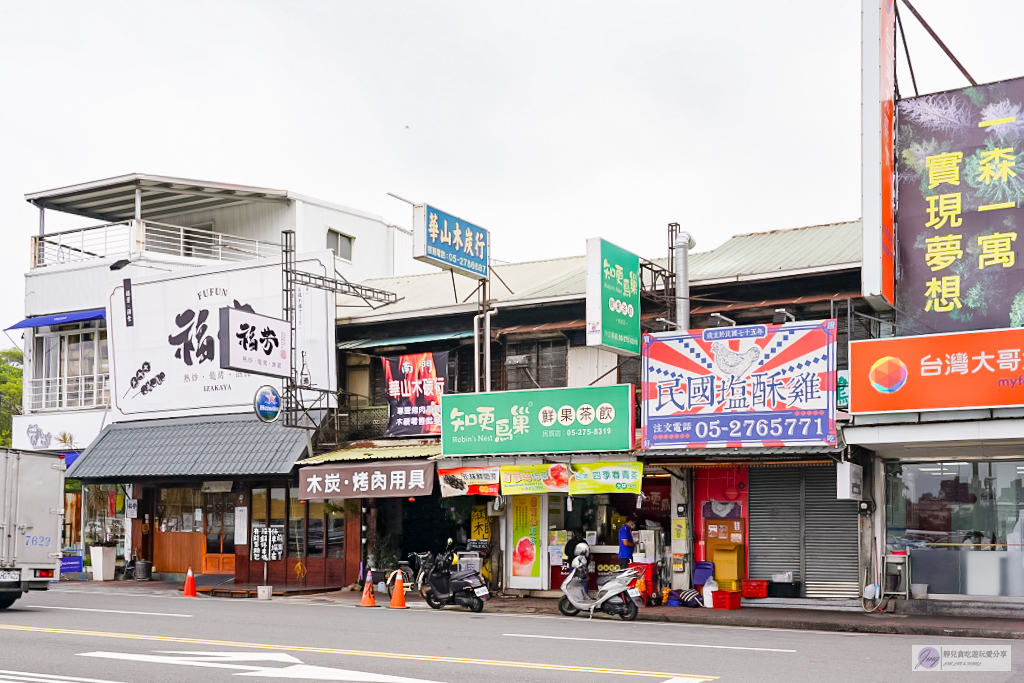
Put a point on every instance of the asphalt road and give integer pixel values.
(74, 633)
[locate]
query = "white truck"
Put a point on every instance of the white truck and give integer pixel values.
(31, 518)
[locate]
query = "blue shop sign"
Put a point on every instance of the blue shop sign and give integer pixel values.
(450, 242)
(267, 403)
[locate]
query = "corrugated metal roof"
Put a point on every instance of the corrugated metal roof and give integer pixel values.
(374, 453)
(418, 339)
(755, 255)
(234, 445)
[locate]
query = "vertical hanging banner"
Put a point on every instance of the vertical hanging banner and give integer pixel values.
(525, 536)
(414, 384)
(733, 387)
(961, 183)
(613, 298)
(878, 88)
(449, 242)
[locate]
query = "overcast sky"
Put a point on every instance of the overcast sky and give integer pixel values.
(546, 122)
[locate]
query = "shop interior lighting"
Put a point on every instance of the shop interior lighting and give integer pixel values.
(780, 316)
(721, 318)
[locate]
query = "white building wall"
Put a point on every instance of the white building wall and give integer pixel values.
(262, 221)
(81, 286)
(587, 363)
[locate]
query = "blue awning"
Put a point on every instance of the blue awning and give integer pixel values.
(61, 318)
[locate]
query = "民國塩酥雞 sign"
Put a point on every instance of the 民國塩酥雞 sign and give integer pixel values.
(980, 369)
(613, 297)
(449, 242)
(748, 386)
(961, 183)
(538, 421)
(367, 480)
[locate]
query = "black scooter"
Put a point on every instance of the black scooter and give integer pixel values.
(447, 587)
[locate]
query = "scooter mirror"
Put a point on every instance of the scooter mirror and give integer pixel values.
(450, 541)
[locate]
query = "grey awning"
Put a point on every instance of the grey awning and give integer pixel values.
(227, 445)
(738, 455)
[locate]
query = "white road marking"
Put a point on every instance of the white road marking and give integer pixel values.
(109, 611)
(28, 676)
(223, 660)
(646, 642)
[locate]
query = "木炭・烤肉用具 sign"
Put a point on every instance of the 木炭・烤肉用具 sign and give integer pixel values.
(367, 480)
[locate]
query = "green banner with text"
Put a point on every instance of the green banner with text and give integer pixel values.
(613, 298)
(570, 420)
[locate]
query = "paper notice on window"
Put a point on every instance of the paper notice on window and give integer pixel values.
(241, 526)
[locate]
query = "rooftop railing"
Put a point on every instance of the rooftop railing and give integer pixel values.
(122, 239)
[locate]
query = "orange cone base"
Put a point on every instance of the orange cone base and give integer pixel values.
(398, 594)
(368, 599)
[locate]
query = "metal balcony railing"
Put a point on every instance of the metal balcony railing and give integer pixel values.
(122, 239)
(68, 393)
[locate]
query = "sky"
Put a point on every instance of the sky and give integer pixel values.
(545, 122)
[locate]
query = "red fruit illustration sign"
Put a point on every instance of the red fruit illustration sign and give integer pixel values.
(526, 535)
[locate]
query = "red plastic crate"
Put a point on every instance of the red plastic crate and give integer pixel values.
(755, 588)
(726, 599)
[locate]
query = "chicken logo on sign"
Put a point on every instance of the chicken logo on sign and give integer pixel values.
(733, 363)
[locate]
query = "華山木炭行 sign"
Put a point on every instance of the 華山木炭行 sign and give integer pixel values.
(414, 384)
(367, 480)
(447, 241)
(613, 297)
(576, 479)
(564, 420)
(747, 386)
(950, 371)
(961, 183)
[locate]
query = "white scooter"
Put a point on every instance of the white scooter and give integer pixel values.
(615, 597)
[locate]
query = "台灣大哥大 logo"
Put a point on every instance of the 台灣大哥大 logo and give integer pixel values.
(888, 374)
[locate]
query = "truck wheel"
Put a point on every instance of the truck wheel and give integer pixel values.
(8, 599)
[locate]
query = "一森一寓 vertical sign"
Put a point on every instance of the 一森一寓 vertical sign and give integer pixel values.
(613, 297)
(449, 242)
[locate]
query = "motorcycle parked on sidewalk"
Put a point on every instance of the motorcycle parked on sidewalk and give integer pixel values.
(615, 597)
(447, 587)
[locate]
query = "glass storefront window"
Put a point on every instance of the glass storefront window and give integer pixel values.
(104, 515)
(955, 505)
(315, 528)
(296, 525)
(220, 523)
(336, 532)
(179, 510)
(259, 508)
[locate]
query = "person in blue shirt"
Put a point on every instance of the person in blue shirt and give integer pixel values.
(626, 543)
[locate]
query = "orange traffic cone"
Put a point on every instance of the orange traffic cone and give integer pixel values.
(398, 593)
(190, 585)
(368, 598)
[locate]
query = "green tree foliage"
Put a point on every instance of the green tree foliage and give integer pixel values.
(10, 391)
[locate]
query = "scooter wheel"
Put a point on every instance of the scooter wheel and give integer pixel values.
(629, 611)
(477, 605)
(432, 601)
(566, 607)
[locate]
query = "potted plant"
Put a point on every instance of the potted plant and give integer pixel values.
(104, 557)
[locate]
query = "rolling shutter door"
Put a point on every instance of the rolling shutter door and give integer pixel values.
(775, 521)
(830, 537)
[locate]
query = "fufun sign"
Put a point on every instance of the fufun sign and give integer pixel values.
(254, 343)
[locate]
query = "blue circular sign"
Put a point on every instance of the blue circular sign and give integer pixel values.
(267, 403)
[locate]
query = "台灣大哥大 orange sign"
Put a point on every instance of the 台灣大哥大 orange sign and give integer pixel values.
(980, 369)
